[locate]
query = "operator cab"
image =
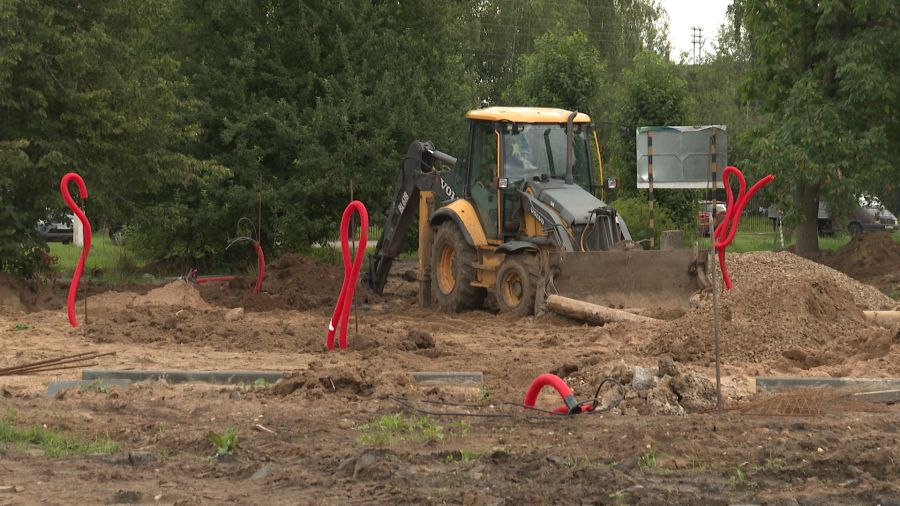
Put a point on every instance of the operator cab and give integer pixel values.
(513, 147)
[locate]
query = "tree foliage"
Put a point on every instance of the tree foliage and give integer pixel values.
(509, 29)
(653, 93)
(308, 96)
(564, 71)
(826, 75)
(83, 88)
(174, 111)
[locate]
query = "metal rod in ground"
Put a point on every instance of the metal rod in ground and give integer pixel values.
(259, 212)
(48, 361)
(49, 369)
(353, 255)
(715, 293)
(54, 364)
(84, 292)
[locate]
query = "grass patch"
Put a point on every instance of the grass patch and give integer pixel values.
(108, 260)
(389, 429)
(738, 479)
(19, 326)
(463, 455)
(53, 443)
(257, 384)
(96, 386)
(619, 497)
(585, 464)
(225, 443)
(461, 428)
(768, 241)
(648, 459)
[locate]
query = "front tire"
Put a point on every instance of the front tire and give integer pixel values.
(517, 284)
(854, 229)
(452, 273)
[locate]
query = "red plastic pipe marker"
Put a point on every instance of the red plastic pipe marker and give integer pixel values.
(724, 233)
(261, 263)
(261, 260)
(76, 276)
(341, 314)
(571, 404)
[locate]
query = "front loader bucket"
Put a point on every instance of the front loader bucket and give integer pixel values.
(652, 283)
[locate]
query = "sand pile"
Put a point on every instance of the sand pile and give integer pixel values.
(18, 295)
(180, 294)
(782, 307)
(291, 282)
(872, 258)
(867, 255)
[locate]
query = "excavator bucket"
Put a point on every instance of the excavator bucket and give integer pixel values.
(652, 283)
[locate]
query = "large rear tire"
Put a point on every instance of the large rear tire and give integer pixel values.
(854, 229)
(517, 284)
(452, 273)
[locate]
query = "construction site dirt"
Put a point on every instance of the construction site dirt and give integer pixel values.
(354, 426)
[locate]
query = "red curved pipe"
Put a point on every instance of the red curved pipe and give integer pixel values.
(261, 260)
(341, 314)
(725, 232)
(547, 379)
(76, 276)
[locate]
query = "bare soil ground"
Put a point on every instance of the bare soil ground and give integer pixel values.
(660, 443)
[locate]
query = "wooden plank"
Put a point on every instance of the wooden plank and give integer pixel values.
(591, 313)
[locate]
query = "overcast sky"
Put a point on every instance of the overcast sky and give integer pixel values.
(683, 14)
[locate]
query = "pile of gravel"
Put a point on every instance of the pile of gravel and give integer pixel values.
(782, 306)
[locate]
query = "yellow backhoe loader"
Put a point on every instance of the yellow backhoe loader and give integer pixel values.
(517, 215)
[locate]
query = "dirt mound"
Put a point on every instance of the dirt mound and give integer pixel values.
(351, 381)
(17, 295)
(782, 307)
(873, 258)
(291, 282)
(177, 293)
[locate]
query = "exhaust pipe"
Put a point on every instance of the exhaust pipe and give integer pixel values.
(570, 147)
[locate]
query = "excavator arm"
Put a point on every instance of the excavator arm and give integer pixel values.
(419, 172)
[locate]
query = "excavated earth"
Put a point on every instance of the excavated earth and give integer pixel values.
(311, 438)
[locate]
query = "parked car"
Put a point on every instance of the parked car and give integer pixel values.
(870, 219)
(56, 229)
(703, 216)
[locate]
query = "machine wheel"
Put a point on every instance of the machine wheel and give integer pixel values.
(517, 284)
(854, 229)
(452, 273)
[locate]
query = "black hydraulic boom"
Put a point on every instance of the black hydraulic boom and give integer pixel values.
(419, 172)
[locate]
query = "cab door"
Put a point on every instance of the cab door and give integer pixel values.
(484, 170)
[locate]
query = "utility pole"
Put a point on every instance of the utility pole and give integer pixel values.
(696, 41)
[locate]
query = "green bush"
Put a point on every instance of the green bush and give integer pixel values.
(636, 213)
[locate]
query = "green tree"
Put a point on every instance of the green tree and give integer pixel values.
(308, 95)
(653, 93)
(714, 87)
(563, 71)
(84, 88)
(508, 29)
(826, 74)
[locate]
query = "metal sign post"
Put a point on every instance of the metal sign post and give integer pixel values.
(650, 187)
(713, 169)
